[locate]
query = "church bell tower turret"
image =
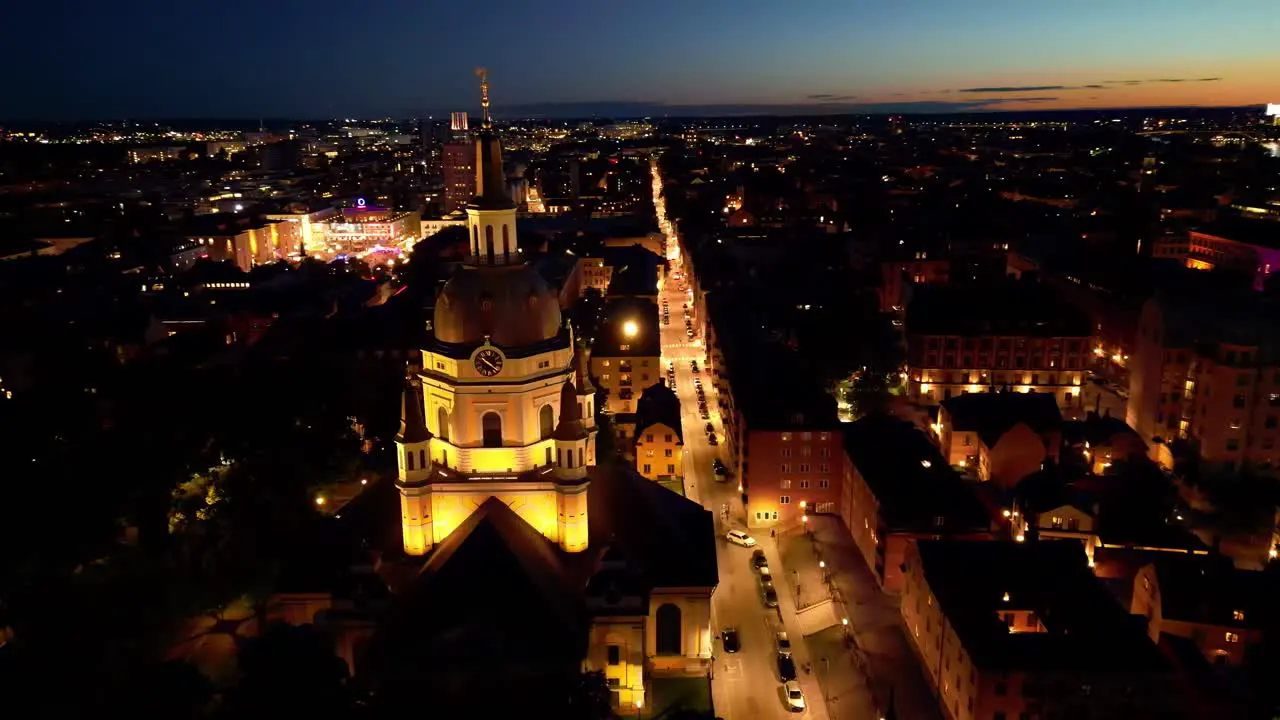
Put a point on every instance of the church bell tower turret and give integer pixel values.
(571, 439)
(413, 453)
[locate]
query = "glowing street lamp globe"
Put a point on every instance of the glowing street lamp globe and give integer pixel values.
(630, 328)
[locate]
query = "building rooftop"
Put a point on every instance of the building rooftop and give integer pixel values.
(1210, 590)
(659, 404)
(910, 479)
(1085, 630)
(1008, 308)
(612, 340)
(635, 270)
(992, 414)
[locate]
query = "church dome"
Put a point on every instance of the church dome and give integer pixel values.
(511, 304)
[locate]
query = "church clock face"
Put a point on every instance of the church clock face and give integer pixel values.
(488, 362)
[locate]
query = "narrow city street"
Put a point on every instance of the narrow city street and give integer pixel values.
(746, 684)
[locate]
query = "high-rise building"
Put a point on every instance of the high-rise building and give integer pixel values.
(459, 175)
(459, 164)
(458, 124)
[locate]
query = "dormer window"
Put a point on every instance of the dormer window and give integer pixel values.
(1237, 615)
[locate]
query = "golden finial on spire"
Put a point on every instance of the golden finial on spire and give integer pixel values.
(484, 95)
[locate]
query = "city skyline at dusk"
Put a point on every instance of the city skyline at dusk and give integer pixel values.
(401, 59)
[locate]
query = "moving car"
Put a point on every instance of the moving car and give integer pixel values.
(718, 467)
(737, 537)
(730, 640)
(786, 668)
(795, 698)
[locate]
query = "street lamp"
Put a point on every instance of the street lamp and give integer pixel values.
(630, 328)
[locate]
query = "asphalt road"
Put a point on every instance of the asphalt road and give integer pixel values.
(745, 685)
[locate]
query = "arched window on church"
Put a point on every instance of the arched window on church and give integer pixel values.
(491, 425)
(546, 423)
(408, 459)
(475, 240)
(580, 463)
(422, 459)
(488, 242)
(442, 421)
(506, 243)
(668, 632)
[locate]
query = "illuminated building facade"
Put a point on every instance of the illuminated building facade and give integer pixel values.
(659, 434)
(1245, 247)
(1016, 338)
(1205, 370)
(362, 230)
(244, 243)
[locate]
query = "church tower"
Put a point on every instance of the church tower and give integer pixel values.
(497, 358)
(571, 438)
(586, 396)
(413, 454)
(491, 215)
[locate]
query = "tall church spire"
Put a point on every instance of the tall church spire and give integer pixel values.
(491, 180)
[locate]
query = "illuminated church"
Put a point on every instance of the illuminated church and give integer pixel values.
(521, 552)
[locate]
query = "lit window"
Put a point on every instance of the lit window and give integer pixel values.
(1233, 637)
(1237, 614)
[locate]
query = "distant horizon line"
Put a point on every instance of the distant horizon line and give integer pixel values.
(754, 111)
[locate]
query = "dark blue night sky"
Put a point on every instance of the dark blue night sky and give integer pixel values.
(73, 59)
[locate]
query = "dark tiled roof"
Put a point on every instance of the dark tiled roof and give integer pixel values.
(1000, 309)
(1097, 430)
(991, 415)
(658, 404)
(413, 425)
(1087, 631)
(889, 455)
(635, 270)
(1210, 589)
(491, 595)
(670, 539)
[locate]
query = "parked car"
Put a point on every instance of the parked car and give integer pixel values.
(769, 594)
(782, 642)
(730, 640)
(712, 441)
(711, 428)
(795, 697)
(758, 560)
(786, 668)
(738, 537)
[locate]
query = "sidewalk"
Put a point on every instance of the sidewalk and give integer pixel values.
(813, 693)
(877, 659)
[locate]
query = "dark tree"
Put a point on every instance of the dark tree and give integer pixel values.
(290, 671)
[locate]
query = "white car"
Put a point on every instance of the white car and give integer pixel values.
(737, 537)
(795, 698)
